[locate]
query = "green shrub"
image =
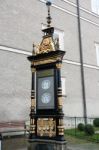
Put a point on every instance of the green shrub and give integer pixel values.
(81, 127)
(96, 122)
(89, 129)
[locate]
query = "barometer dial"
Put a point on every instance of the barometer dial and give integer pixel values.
(46, 98)
(46, 84)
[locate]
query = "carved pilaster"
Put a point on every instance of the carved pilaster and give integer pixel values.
(61, 127)
(33, 101)
(33, 106)
(59, 88)
(32, 126)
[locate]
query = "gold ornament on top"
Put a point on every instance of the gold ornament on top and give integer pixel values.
(47, 45)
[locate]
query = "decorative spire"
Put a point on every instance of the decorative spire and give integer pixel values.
(48, 4)
(33, 51)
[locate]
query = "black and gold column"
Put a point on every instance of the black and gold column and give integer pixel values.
(60, 124)
(59, 87)
(33, 105)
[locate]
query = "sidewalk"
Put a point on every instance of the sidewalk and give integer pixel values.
(85, 146)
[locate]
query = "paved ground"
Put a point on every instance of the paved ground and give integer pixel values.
(21, 144)
(86, 146)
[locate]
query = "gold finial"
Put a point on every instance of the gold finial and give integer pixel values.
(33, 51)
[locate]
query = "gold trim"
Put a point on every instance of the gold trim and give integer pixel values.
(60, 101)
(60, 130)
(40, 62)
(46, 127)
(61, 127)
(46, 45)
(32, 126)
(33, 103)
(33, 70)
(61, 133)
(47, 60)
(59, 65)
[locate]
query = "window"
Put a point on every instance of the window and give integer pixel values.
(63, 80)
(58, 34)
(95, 6)
(97, 53)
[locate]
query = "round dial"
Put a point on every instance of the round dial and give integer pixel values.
(46, 84)
(45, 98)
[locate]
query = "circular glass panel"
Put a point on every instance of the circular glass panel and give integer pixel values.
(45, 98)
(46, 84)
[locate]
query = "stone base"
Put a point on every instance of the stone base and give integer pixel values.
(47, 145)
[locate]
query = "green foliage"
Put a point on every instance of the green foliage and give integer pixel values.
(81, 127)
(89, 129)
(81, 135)
(96, 122)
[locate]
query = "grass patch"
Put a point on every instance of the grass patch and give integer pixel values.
(96, 129)
(81, 135)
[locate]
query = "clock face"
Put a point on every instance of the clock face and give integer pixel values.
(46, 98)
(46, 84)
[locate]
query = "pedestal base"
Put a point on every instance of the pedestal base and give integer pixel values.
(47, 145)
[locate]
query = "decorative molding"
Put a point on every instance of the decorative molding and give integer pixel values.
(81, 8)
(71, 13)
(14, 50)
(19, 51)
(78, 64)
(71, 62)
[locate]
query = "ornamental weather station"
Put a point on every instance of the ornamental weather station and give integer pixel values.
(46, 114)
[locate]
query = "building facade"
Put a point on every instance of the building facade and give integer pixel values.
(77, 27)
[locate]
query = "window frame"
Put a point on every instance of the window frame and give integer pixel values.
(63, 82)
(95, 6)
(97, 52)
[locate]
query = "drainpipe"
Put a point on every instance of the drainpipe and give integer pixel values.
(82, 68)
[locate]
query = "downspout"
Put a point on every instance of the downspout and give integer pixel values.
(82, 68)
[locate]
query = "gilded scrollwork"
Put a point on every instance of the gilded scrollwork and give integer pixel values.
(46, 127)
(46, 45)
